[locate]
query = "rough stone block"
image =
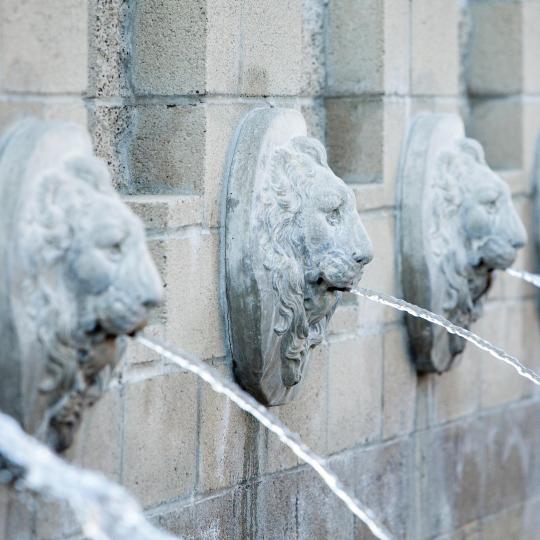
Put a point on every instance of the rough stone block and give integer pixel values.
(355, 47)
(192, 302)
(449, 477)
(522, 522)
(435, 55)
(160, 436)
(169, 47)
(109, 48)
(494, 57)
(272, 52)
(399, 399)
(354, 392)
(55, 520)
(167, 149)
(43, 46)
(355, 139)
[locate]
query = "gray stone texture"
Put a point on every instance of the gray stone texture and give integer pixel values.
(162, 86)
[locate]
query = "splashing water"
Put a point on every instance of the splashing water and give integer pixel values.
(104, 509)
(481, 343)
(249, 404)
(534, 279)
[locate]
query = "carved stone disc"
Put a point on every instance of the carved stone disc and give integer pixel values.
(458, 225)
(293, 241)
(422, 282)
(249, 293)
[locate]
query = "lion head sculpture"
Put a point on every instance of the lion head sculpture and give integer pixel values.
(315, 245)
(475, 230)
(77, 276)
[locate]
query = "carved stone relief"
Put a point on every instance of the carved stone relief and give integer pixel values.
(458, 224)
(76, 276)
(293, 242)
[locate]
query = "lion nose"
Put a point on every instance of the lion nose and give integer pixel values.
(362, 258)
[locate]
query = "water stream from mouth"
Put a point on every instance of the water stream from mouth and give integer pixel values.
(481, 343)
(249, 404)
(104, 509)
(534, 279)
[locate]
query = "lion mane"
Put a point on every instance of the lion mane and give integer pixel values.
(285, 259)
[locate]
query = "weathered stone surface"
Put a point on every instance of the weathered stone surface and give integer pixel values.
(449, 477)
(43, 46)
(70, 285)
(354, 392)
(435, 51)
(160, 437)
(462, 215)
(293, 241)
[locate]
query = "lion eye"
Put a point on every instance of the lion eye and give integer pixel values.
(334, 217)
(491, 205)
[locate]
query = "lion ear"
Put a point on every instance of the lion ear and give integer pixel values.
(91, 170)
(474, 149)
(311, 147)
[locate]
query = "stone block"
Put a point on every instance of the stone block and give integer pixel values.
(456, 392)
(380, 274)
(192, 301)
(166, 154)
(55, 520)
(435, 55)
(531, 46)
(355, 139)
(223, 46)
(356, 44)
(272, 52)
(449, 477)
(512, 467)
(399, 399)
(109, 48)
(494, 56)
(500, 384)
(213, 518)
(72, 110)
(383, 482)
(98, 445)
(228, 441)
(169, 47)
(319, 513)
(160, 437)
(520, 522)
(306, 415)
(498, 125)
(43, 46)
(354, 391)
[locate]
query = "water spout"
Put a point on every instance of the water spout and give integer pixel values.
(104, 509)
(249, 404)
(481, 343)
(533, 279)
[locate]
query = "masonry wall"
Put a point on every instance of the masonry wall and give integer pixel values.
(162, 85)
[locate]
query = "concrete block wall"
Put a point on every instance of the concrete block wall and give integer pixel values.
(162, 86)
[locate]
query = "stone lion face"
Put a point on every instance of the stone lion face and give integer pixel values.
(477, 231)
(336, 244)
(81, 278)
(491, 227)
(317, 248)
